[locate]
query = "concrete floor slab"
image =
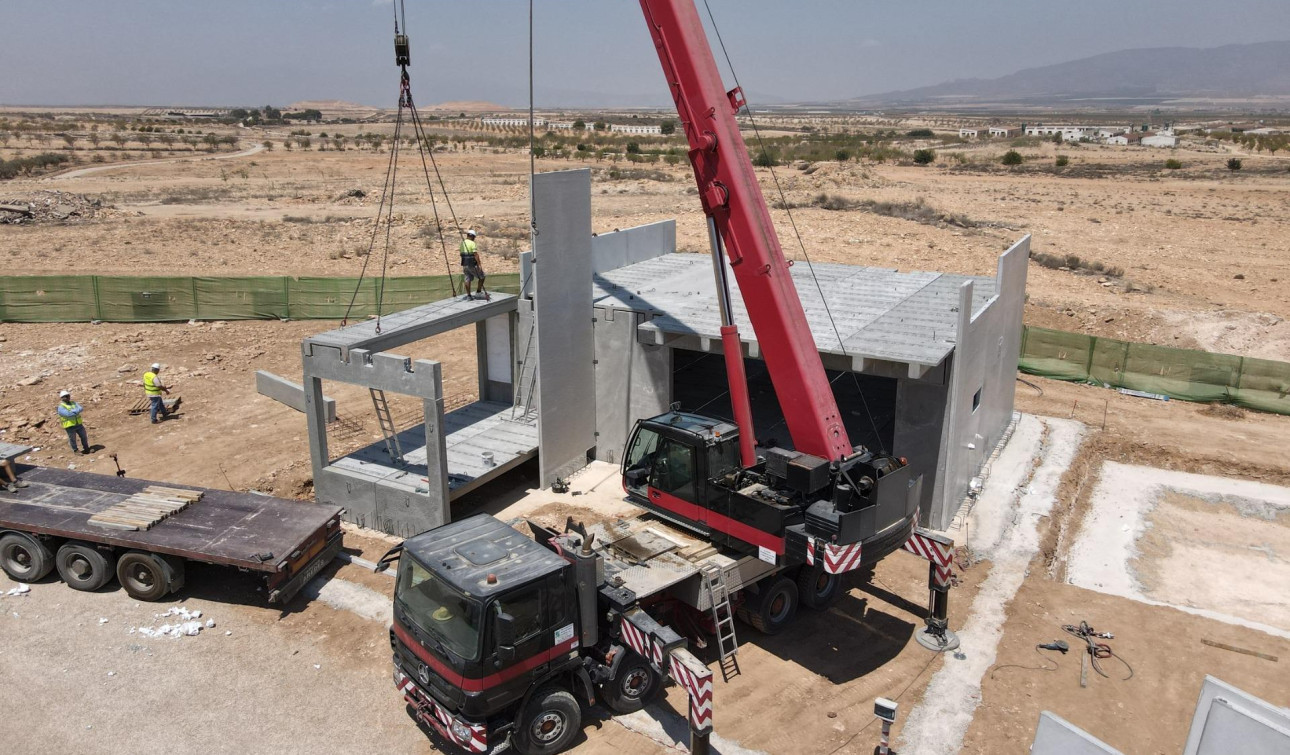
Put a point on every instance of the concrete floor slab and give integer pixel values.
(1149, 533)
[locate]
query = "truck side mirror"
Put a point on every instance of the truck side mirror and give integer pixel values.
(505, 629)
(637, 476)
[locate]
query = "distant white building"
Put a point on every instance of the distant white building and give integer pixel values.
(1263, 131)
(1004, 131)
(564, 125)
(621, 129)
(969, 133)
(1125, 139)
(1162, 139)
(512, 121)
(1068, 133)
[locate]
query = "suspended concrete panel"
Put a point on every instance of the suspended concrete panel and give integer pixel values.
(562, 273)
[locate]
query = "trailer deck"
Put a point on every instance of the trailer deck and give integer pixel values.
(648, 556)
(288, 540)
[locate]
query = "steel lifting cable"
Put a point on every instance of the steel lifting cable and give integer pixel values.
(388, 187)
(784, 203)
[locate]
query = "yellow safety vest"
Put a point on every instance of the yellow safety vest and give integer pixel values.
(468, 249)
(150, 384)
(69, 421)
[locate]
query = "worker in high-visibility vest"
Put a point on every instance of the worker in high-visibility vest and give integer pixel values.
(69, 413)
(470, 267)
(153, 388)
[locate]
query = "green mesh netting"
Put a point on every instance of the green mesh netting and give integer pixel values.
(1178, 373)
(80, 298)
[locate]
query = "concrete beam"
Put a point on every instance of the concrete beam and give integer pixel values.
(411, 325)
(292, 394)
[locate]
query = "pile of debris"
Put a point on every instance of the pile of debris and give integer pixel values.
(48, 207)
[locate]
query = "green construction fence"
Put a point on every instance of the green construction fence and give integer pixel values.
(1184, 374)
(83, 298)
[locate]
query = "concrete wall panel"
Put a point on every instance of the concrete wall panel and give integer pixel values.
(633, 380)
(562, 307)
(610, 251)
(292, 394)
(1057, 736)
(1229, 719)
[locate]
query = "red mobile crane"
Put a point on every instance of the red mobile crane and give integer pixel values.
(499, 639)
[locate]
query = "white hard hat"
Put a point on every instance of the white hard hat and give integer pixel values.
(470, 232)
(156, 366)
(64, 394)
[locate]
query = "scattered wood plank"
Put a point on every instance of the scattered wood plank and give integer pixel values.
(1235, 649)
(144, 510)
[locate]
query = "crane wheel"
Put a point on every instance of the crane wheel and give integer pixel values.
(817, 588)
(632, 689)
(149, 576)
(772, 609)
(24, 558)
(550, 722)
(84, 567)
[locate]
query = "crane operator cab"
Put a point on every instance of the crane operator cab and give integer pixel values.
(685, 468)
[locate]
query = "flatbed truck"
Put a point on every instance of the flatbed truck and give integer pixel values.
(47, 527)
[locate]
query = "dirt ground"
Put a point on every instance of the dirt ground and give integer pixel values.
(1205, 255)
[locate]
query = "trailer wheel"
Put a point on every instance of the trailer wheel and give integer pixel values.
(771, 610)
(632, 689)
(24, 558)
(84, 567)
(817, 588)
(551, 720)
(149, 576)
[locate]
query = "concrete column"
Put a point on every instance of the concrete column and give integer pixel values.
(315, 419)
(437, 458)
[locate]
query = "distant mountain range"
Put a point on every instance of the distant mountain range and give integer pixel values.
(1261, 69)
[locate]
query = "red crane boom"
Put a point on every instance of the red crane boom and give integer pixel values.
(733, 201)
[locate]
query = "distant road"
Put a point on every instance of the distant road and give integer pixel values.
(98, 168)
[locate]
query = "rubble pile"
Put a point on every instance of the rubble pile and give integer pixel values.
(49, 207)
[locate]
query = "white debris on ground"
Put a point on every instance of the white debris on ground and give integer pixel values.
(189, 626)
(1004, 526)
(102, 620)
(19, 590)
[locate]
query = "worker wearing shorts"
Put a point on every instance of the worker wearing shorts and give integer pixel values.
(470, 267)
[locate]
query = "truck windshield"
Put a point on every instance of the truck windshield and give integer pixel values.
(437, 609)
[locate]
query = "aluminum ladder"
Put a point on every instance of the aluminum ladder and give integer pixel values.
(387, 426)
(526, 378)
(723, 618)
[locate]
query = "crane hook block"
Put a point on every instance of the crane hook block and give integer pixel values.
(402, 50)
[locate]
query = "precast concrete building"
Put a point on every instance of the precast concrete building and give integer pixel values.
(614, 327)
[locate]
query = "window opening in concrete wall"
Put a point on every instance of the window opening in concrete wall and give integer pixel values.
(976, 400)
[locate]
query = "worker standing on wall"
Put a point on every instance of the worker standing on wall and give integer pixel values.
(153, 388)
(470, 267)
(69, 413)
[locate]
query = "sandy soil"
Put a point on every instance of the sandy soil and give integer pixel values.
(1206, 260)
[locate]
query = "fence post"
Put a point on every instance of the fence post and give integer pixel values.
(98, 303)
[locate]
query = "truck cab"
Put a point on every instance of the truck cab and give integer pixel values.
(482, 614)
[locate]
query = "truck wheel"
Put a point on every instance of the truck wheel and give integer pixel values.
(773, 608)
(817, 588)
(149, 576)
(24, 558)
(551, 720)
(84, 567)
(633, 687)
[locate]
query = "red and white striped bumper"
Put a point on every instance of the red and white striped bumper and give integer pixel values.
(838, 559)
(437, 716)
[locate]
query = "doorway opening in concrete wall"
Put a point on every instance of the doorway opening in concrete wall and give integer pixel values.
(699, 384)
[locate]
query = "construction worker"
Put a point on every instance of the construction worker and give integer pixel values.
(14, 483)
(69, 412)
(153, 388)
(470, 266)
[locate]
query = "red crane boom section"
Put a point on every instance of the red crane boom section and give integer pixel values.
(732, 198)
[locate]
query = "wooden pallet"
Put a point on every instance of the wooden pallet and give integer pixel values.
(143, 510)
(144, 406)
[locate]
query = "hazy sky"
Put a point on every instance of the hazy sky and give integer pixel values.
(239, 52)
